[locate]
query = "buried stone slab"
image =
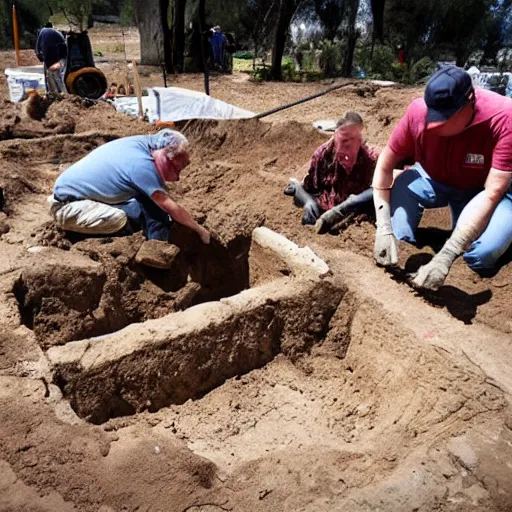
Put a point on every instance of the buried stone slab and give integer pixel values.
(184, 355)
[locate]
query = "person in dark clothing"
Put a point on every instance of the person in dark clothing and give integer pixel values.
(52, 51)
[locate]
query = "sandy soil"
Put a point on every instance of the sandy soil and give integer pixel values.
(403, 404)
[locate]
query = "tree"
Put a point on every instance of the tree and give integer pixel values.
(331, 14)
(351, 33)
(178, 34)
(462, 27)
(256, 20)
(77, 12)
(151, 16)
(287, 9)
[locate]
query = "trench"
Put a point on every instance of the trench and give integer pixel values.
(247, 311)
(99, 288)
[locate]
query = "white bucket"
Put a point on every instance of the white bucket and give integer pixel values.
(22, 79)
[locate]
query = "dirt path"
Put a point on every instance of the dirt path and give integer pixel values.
(402, 403)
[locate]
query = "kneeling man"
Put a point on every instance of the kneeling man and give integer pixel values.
(119, 188)
(461, 140)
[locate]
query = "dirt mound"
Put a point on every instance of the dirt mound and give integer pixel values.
(245, 165)
(377, 401)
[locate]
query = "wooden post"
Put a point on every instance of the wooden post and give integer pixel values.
(16, 34)
(138, 88)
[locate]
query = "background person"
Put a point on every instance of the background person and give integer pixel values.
(51, 49)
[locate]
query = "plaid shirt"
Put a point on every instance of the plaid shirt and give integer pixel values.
(332, 181)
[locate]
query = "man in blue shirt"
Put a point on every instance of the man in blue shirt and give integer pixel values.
(51, 49)
(119, 188)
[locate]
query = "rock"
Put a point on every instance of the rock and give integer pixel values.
(157, 254)
(462, 451)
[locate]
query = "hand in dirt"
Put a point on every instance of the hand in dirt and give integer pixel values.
(290, 189)
(204, 235)
(311, 213)
(328, 220)
(385, 251)
(430, 276)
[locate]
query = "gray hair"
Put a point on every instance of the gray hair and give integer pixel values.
(174, 142)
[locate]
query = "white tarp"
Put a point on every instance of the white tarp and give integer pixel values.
(21, 79)
(177, 104)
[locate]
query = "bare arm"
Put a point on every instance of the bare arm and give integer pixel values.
(383, 176)
(179, 214)
(477, 213)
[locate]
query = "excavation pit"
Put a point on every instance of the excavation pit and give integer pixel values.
(150, 365)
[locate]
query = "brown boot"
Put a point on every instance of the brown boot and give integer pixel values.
(157, 254)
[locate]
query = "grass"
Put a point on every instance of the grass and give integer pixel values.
(244, 65)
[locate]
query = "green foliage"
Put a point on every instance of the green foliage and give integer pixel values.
(244, 55)
(384, 65)
(31, 14)
(77, 12)
(128, 13)
(331, 57)
(289, 71)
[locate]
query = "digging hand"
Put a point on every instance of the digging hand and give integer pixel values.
(290, 189)
(432, 275)
(311, 212)
(328, 220)
(385, 251)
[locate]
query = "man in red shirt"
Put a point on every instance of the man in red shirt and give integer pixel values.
(461, 141)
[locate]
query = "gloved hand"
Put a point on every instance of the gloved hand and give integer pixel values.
(385, 251)
(432, 275)
(328, 220)
(311, 212)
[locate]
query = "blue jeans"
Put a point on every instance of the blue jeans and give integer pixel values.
(414, 190)
(144, 214)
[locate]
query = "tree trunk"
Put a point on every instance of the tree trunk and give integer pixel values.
(204, 51)
(149, 21)
(287, 9)
(179, 34)
(167, 53)
(346, 69)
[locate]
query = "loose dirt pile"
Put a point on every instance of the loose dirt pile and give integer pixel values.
(393, 402)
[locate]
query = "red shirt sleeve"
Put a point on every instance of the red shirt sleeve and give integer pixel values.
(401, 141)
(502, 154)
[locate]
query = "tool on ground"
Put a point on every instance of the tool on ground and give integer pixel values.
(303, 100)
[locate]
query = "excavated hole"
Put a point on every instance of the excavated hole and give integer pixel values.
(100, 289)
(173, 359)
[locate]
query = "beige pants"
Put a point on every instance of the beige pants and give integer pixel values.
(87, 217)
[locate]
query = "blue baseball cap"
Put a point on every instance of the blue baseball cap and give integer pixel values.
(446, 93)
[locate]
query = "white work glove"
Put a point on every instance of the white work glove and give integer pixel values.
(385, 251)
(432, 275)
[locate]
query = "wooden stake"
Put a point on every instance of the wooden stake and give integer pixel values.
(16, 34)
(138, 88)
